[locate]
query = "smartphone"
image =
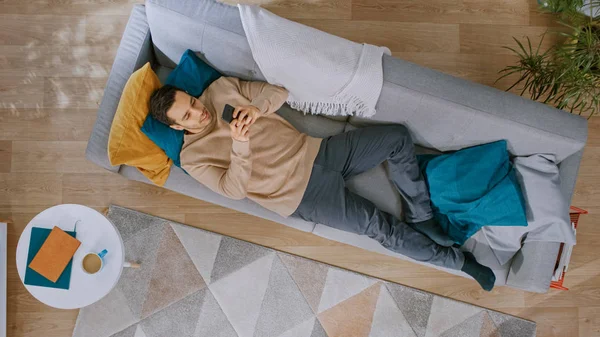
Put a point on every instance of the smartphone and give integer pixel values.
(228, 113)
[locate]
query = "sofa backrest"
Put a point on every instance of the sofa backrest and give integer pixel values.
(443, 112)
(448, 113)
(212, 29)
(209, 27)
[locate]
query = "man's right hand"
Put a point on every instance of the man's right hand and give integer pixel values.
(239, 130)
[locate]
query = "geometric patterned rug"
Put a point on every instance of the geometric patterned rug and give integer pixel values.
(195, 283)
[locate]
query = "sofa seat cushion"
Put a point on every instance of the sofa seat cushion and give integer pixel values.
(181, 182)
(369, 244)
(316, 126)
(376, 187)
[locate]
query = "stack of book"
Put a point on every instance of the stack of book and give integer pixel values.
(564, 254)
(50, 257)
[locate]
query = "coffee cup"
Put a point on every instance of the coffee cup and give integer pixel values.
(93, 262)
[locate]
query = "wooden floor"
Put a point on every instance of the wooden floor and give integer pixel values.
(55, 56)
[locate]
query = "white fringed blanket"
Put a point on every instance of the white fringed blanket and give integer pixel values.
(325, 74)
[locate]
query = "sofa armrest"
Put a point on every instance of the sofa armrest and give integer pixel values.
(569, 169)
(533, 266)
(134, 51)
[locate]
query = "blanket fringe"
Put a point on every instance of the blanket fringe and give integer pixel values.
(352, 106)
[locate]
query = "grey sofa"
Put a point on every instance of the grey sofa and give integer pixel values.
(442, 112)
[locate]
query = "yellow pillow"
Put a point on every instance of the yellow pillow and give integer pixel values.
(127, 144)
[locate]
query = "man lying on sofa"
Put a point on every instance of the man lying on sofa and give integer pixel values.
(260, 156)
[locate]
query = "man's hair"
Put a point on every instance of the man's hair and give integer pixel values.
(161, 101)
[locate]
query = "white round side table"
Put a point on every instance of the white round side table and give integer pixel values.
(96, 233)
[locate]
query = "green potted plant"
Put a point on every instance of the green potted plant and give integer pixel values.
(566, 75)
(571, 9)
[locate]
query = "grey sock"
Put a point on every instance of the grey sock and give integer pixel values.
(482, 274)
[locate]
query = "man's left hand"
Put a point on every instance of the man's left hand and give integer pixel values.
(247, 114)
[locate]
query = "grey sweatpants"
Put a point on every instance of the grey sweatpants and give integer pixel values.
(327, 200)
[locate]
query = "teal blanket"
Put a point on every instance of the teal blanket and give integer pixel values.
(474, 187)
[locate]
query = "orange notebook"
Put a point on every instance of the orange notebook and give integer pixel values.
(55, 254)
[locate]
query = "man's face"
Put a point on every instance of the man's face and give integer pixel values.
(188, 113)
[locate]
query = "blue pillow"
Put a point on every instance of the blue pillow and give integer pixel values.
(193, 76)
(474, 187)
